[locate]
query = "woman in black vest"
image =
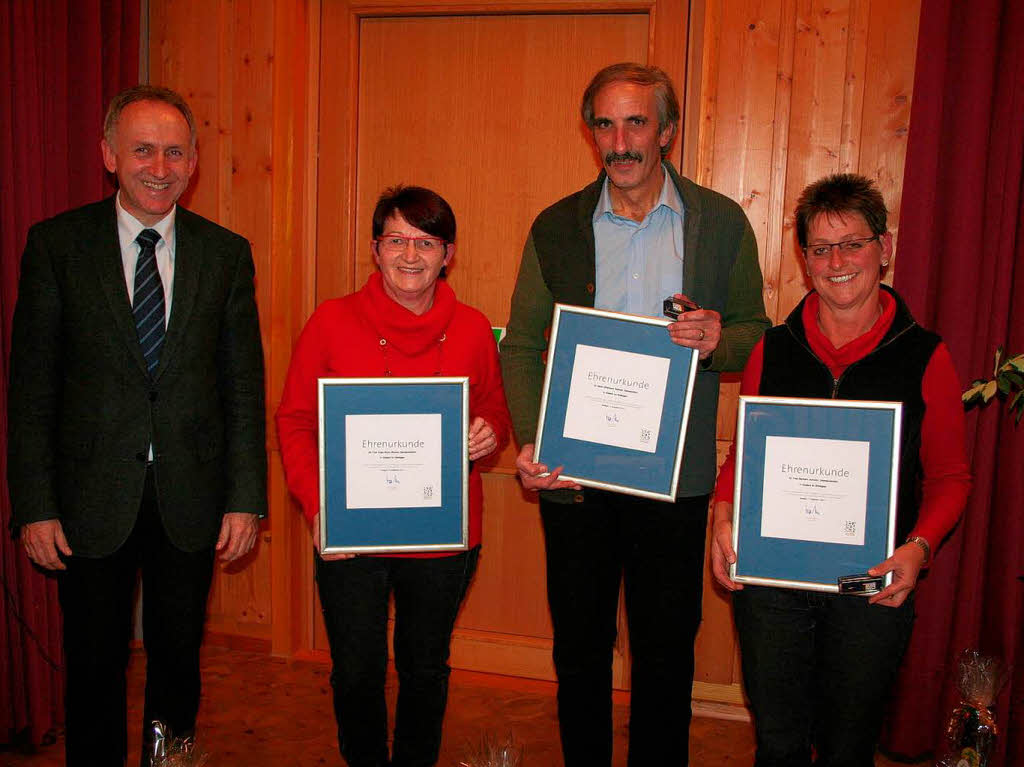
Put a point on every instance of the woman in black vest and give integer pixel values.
(818, 667)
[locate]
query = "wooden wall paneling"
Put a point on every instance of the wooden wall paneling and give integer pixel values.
(292, 278)
(889, 73)
(821, 113)
(745, 96)
(669, 37)
(854, 79)
(335, 151)
(225, 95)
(772, 255)
(690, 91)
(715, 677)
(185, 57)
(710, 48)
(820, 61)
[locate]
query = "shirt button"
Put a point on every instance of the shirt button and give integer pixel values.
(636, 276)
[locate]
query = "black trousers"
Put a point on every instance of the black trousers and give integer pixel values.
(818, 669)
(354, 597)
(659, 549)
(96, 597)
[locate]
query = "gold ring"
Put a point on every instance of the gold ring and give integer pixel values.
(702, 334)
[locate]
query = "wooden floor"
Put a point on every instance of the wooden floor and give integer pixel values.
(267, 712)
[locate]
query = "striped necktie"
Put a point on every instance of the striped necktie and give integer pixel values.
(148, 303)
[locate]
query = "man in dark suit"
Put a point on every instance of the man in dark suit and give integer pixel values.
(136, 421)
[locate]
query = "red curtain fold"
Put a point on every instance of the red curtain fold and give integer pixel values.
(61, 61)
(961, 269)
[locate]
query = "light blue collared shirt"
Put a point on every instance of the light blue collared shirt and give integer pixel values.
(639, 264)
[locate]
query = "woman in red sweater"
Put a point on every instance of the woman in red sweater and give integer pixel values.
(818, 667)
(403, 322)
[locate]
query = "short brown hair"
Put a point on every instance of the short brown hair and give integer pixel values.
(839, 194)
(630, 72)
(147, 93)
(420, 207)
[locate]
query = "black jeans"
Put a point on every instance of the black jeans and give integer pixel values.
(818, 669)
(659, 548)
(354, 597)
(96, 600)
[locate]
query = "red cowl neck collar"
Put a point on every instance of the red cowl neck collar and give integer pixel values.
(410, 334)
(840, 359)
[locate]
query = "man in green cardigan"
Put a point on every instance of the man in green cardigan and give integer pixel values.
(636, 235)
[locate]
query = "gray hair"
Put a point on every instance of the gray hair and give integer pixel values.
(147, 93)
(653, 77)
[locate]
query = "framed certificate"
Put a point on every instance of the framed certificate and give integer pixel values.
(815, 495)
(394, 467)
(616, 402)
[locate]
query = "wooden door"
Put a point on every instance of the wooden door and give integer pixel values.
(480, 103)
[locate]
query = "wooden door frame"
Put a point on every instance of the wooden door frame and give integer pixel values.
(328, 257)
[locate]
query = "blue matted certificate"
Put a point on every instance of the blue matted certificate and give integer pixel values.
(394, 466)
(815, 493)
(616, 402)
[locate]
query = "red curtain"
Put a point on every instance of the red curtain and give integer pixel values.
(61, 62)
(961, 269)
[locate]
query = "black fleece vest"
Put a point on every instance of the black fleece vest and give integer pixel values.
(892, 372)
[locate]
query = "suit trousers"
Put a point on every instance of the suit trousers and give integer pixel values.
(96, 596)
(354, 598)
(658, 548)
(818, 669)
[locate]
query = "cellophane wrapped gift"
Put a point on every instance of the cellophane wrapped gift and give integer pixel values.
(169, 751)
(492, 751)
(971, 732)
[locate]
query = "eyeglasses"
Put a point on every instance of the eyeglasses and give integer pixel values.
(392, 244)
(823, 249)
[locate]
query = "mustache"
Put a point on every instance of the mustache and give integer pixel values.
(623, 156)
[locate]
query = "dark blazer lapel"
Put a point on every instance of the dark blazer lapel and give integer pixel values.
(188, 258)
(105, 252)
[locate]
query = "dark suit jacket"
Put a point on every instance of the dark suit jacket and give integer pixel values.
(83, 410)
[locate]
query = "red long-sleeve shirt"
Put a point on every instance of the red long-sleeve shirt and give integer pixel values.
(368, 335)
